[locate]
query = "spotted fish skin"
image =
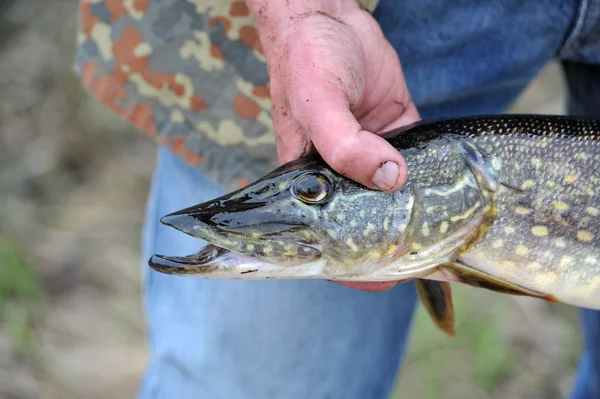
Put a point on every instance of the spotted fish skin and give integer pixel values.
(545, 234)
(508, 203)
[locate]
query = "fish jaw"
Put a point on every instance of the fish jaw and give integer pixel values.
(229, 265)
(213, 262)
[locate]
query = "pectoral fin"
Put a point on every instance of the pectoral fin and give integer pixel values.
(476, 278)
(436, 297)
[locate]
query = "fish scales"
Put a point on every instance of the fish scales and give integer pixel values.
(546, 232)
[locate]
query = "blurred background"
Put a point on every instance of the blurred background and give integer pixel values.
(73, 186)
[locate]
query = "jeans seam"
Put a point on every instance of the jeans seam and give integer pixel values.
(573, 36)
(153, 207)
(149, 242)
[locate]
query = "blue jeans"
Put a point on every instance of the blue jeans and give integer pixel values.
(314, 339)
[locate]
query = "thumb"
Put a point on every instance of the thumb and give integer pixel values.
(350, 150)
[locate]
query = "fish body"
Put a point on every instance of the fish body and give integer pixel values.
(509, 203)
(538, 206)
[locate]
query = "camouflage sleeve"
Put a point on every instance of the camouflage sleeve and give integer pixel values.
(190, 74)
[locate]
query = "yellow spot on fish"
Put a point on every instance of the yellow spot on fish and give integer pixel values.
(539, 231)
(521, 210)
(521, 250)
(546, 279)
(497, 244)
(560, 206)
(584, 236)
(391, 250)
(370, 227)
(332, 233)
(508, 264)
(352, 245)
(340, 217)
(595, 284)
(290, 250)
(591, 260)
(250, 247)
(509, 230)
(402, 228)
(416, 246)
(560, 242)
(467, 214)
(457, 187)
(527, 184)
(593, 211)
(535, 161)
(533, 266)
(268, 249)
(443, 227)
(386, 223)
(375, 254)
(570, 179)
(565, 261)
(550, 183)
(425, 229)
(430, 209)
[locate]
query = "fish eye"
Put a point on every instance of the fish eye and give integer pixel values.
(311, 188)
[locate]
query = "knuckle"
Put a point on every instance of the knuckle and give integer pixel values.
(341, 157)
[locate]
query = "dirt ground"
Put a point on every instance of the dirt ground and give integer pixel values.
(73, 185)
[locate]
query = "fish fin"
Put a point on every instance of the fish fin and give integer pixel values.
(436, 297)
(476, 278)
(484, 167)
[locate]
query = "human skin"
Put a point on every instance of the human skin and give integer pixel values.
(335, 82)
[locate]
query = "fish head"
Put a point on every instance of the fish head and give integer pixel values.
(301, 214)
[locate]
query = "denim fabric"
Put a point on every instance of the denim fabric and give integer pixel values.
(260, 339)
(584, 99)
(315, 339)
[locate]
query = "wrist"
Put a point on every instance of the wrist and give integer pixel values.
(274, 18)
(271, 12)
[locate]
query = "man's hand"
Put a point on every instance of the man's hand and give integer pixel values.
(335, 82)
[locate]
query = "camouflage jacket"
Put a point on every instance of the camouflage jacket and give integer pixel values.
(190, 74)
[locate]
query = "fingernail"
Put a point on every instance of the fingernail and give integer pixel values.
(386, 177)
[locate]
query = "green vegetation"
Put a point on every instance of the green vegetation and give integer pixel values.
(20, 293)
(483, 358)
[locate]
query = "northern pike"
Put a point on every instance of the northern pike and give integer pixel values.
(509, 203)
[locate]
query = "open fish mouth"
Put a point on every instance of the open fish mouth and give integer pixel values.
(191, 264)
(219, 263)
(212, 258)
